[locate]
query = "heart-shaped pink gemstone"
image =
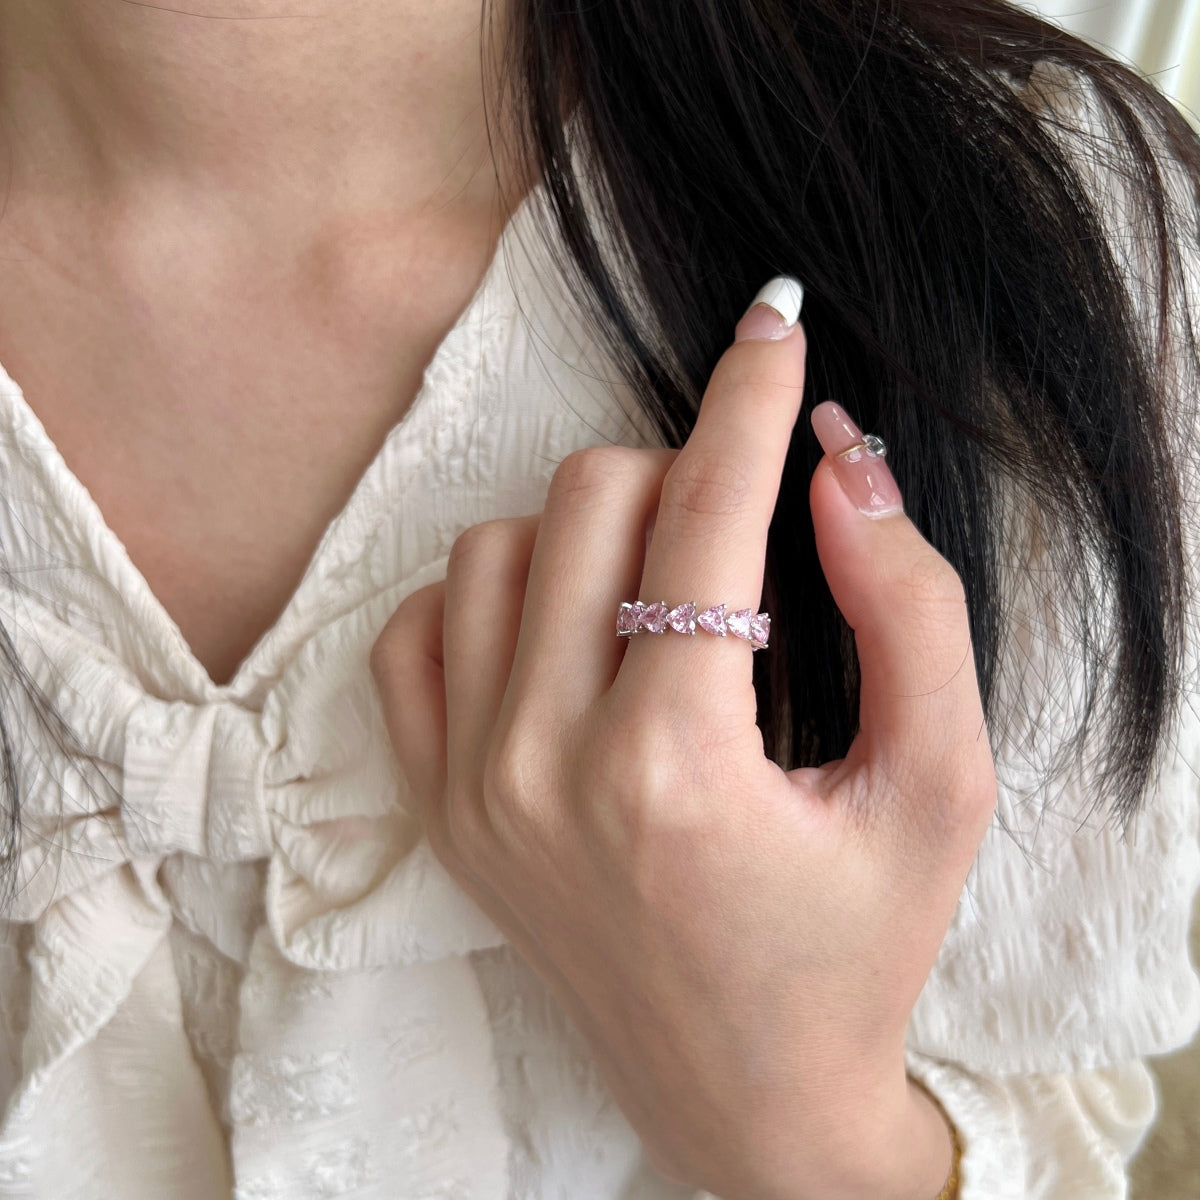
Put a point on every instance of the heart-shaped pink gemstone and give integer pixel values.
(712, 620)
(760, 630)
(683, 618)
(654, 618)
(738, 623)
(627, 618)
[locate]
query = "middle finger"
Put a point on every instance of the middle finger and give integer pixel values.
(718, 498)
(589, 553)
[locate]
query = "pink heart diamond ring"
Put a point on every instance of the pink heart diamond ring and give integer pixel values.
(637, 617)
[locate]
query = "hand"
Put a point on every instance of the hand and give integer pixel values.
(740, 946)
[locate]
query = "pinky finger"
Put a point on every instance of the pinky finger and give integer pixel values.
(407, 664)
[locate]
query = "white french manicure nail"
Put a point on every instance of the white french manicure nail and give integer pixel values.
(785, 295)
(773, 313)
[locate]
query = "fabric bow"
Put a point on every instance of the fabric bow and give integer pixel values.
(165, 817)
(309, 784)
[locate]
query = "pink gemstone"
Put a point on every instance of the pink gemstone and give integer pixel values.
(654, 618)
(760, 630)
(712, 620)
(683, 618)
(738, 622)
(627, 618)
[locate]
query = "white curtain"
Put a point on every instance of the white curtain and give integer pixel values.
(1160, 37)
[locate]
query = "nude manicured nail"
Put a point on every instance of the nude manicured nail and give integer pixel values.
(859, 466)
(773, 313)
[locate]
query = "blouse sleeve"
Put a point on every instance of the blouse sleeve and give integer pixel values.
(1065, 1136)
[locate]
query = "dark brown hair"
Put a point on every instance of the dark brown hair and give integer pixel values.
(963, 299)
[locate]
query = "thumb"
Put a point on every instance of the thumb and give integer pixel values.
(920, 710)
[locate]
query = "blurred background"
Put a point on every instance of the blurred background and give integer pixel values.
(1161, 38)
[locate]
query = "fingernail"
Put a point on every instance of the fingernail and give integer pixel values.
(858, 463)
(773, 313)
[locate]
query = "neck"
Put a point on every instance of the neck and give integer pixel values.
(270, 103)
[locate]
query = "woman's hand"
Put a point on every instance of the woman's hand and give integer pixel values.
(740, 946)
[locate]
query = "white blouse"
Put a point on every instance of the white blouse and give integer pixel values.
(232, 967)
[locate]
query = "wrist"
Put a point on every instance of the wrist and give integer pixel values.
(937, 1160)
(912, 1156)
(892, 1143)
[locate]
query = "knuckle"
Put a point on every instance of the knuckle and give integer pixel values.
(396, 642)
(646, 785)
(705, 483)
(632, 758)
(476, 543)
(384, 657)
(650, 783)
(954, 785)
(515, 788)
(930, 581)
(506, 778)
(593, 470)
(959, 798)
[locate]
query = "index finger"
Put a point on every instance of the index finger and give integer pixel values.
(709, 541)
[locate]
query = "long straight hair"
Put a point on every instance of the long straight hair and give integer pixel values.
(962, 298)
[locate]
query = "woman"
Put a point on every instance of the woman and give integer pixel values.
(344, 288)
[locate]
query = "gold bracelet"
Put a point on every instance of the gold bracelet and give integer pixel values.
(950, 1187)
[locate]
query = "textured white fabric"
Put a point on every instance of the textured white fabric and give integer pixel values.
(235, 969)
